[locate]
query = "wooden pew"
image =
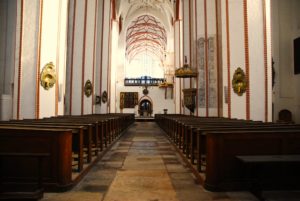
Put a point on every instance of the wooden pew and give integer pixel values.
(254, 166)
(223, 170)
(77, 136)
(30, 193)
(199, 142)
(190, 135)
(55, 142)
(88, 129)
(96, 130)
(96, 126)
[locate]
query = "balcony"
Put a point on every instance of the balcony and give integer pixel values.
(143, 81)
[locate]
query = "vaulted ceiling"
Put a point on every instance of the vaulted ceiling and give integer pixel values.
(146, 24)
(146, 33)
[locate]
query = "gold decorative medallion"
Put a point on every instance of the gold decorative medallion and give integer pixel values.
(104, 97)
(48, 76)
(239, 82)
(88, 88)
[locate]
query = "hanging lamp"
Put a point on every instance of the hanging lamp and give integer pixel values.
(186, 71)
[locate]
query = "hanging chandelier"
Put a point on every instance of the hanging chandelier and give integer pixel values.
(186, 71)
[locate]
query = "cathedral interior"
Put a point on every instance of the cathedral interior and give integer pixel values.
(112, 99)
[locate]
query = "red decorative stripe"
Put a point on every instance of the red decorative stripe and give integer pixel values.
(197, 62)
(182, 83)
(83, 57)
(101, 56)
(218, 59)
(180, 64)
(20, 61)
(57, 88)
(247, 59)
(38, 63)
(190, 40)
(72, 57)
(206, 58)
(175, 83)
(177, 10)
(15, 47)
(94, 52)
(228, 59)
(265, 60)
(5, 46)
(114, 15)
(108, 85)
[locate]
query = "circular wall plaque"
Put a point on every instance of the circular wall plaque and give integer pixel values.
(88, 88)
(145, 91)
(48, 76)
(239, 82)
(104, 97)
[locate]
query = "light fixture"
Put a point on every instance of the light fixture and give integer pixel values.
(186, 71)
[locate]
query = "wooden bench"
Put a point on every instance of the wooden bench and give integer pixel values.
(254, 166)
(59, 137)
(198, 137)
(56, 142)
(77, 137)
(224, 172)
(27, 193)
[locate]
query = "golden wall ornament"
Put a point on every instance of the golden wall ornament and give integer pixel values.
(239, 82)
(48, 76)
(104, 97)
(88, 88)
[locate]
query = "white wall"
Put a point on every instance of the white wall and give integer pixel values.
(84, 55)
(244, 45)
(35, 38)
(28, 60)
(52, 49)
(285, 28)
(8, 10)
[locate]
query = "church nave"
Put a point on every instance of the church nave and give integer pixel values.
(143, 166)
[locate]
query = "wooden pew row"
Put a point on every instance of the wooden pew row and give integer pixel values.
(197, 145)
(78, 135)
(88, 130)
(105, 128)
(183, 135)
(193, 133)
(224, 172)
(56, 169)
(180, 125)
(83, 129)
(99, 129)
(109, 125)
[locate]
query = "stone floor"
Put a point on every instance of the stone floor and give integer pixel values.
(144, 166)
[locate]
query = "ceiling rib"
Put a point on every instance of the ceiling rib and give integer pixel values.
(144, 34)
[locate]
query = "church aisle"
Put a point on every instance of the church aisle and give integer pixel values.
(142, 166)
